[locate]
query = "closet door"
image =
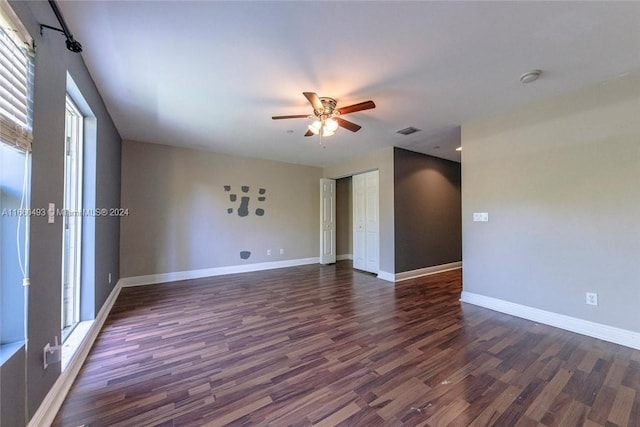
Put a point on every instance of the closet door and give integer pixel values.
(359, 236)
(366, 239)
(372, 239)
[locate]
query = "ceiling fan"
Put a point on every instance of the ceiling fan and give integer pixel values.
(326, 116)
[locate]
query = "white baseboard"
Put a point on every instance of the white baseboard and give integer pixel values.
(52, 402)
(579, 326)
(406, 275)
(344, 257)
(384, 275)
(216, 271)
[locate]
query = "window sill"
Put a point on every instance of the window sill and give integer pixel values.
(8, 350)
(73, 341)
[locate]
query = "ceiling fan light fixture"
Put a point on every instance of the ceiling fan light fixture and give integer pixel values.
(327, 132)
(331, 125)
(315, 127)
(325, 126)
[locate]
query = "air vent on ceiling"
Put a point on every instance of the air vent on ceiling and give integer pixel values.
(409, 130)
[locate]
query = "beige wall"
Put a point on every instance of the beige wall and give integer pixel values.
(561, 183)
(178, 219)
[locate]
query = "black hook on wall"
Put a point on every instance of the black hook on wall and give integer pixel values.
(72, 44)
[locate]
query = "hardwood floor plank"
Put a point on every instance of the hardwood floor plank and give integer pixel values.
(331, 346)
(339, 416)
(622, 405)
(448, 413)
(543, 402)
(602, 405)
(575, 415)
(395, 401)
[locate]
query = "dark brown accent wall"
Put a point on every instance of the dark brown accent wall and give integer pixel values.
(344, 217)
(428, 211)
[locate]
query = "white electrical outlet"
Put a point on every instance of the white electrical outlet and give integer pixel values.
(109, 278)
(592, 298)
(281, 251)
(268, 251)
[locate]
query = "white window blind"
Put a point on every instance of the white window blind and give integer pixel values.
(16, 84)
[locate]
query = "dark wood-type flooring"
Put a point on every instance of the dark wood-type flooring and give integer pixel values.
(326, 345)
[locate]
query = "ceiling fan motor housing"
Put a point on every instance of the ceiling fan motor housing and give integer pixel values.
(328, 110)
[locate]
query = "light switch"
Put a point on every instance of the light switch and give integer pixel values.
(480, 216)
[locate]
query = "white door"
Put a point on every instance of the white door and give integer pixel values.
(359, 237)
(366, 240)
(327, 221)
(371, 222)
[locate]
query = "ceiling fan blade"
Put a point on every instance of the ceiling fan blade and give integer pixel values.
(309, 133)
(295, 116)
(366, 105)
(313, 99)
(348, 125)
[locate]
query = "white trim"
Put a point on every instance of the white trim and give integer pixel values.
(389, 277)
(427, 271)
(14, 21)
(52, 402)
(406, 275)
(579, 326)
(73, 342)
(152, 279)
(344, 257)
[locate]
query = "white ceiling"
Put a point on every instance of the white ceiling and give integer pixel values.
(210, 74)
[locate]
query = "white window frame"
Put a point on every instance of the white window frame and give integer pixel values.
(72, 221)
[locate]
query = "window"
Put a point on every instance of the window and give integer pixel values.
(12, 243)
(16, 82)
(72, 220)
(79, 245)
(16, 111)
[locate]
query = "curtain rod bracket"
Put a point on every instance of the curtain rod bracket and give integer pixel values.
(72, 44)
(43, 26)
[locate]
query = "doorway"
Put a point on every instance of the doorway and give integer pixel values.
(357, 233)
